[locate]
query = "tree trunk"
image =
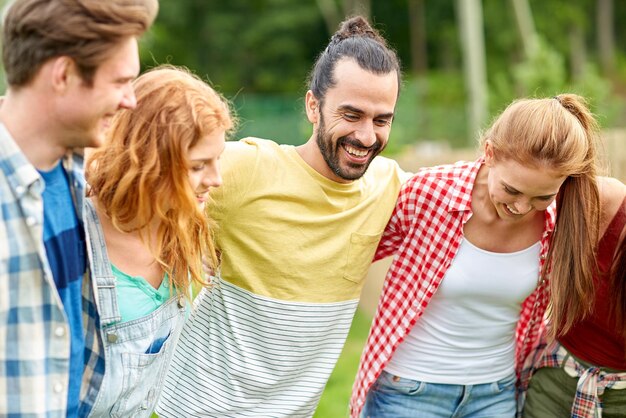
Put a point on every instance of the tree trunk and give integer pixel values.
(330, 13)
(417, 31)
(606, 36)
(526, 26)
(578, 52)
(473, 44)
(358, 7)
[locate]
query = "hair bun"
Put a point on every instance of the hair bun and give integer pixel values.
(357, 26)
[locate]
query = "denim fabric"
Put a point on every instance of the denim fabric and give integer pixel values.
(136, 353)
(393, 396)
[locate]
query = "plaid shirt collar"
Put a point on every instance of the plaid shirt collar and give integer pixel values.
(19, 172)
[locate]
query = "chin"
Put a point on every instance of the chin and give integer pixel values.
(95, 140)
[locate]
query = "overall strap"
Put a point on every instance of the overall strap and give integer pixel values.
(100, 266)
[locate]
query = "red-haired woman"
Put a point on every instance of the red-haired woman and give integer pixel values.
(147, 233)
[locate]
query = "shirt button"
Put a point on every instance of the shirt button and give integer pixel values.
(59, 331)
(57, 387)
(30, 221)
(19, 190)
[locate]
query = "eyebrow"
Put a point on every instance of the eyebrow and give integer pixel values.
(360, 112)
(513, 189)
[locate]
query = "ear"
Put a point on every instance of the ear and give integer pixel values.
(489, 157)
(312, 106)
(64, 73)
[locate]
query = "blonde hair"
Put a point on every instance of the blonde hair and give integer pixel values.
(561, 134)
(141, 173)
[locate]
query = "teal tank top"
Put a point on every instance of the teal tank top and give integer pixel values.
(136, 298)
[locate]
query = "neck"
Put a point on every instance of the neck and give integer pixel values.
(311, 154)
(28, 122)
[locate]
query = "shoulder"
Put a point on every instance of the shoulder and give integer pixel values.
(429, 178)
(385, 167)
(611, 189)
(250, 148)
(612, 194)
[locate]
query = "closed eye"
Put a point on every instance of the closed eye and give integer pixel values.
(351, 117)
(198, 167)
(382, 122)
(546, 198)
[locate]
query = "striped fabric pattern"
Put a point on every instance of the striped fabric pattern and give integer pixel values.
(425, 232)
(261, 356)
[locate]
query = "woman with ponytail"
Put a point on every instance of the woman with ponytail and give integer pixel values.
(474, 244)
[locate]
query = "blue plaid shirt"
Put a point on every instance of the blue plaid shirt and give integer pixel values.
(34, 333)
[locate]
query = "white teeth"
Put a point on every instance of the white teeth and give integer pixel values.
(513, 211)
(356, 152)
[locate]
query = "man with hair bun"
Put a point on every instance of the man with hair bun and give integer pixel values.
(297, 230)
(69, 66)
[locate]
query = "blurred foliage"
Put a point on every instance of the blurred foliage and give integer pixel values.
(259, 53)
(260, 46)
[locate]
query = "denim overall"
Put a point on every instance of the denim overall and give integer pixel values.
(138, 352)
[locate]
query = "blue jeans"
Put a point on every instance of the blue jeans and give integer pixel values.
(396, 397)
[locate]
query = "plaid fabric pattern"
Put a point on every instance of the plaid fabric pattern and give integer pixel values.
(34, 334)
(424, 233)
(592, 381)
(94, 354)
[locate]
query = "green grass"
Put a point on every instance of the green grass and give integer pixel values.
(336, 396)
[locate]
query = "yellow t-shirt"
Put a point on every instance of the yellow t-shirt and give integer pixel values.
(289, 233)
(295, 249)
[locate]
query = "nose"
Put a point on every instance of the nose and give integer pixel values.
(212, 177)
(523, 206)
(365, 134)
(129, 100)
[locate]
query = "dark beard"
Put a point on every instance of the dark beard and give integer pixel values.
(331, 153)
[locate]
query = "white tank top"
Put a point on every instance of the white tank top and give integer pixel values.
(466, 336)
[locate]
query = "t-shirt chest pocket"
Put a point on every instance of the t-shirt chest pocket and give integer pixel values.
(360, 255)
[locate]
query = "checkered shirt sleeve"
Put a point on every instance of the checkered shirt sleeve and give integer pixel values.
(425, 232)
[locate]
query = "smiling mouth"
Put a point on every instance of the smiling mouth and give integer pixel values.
(513, 211)
(359, 153)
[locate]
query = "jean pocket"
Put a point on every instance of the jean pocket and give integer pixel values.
(388, 382)
(141, 383)
(502, 385)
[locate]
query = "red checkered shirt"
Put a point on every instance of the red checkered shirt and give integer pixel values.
(424, 233)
